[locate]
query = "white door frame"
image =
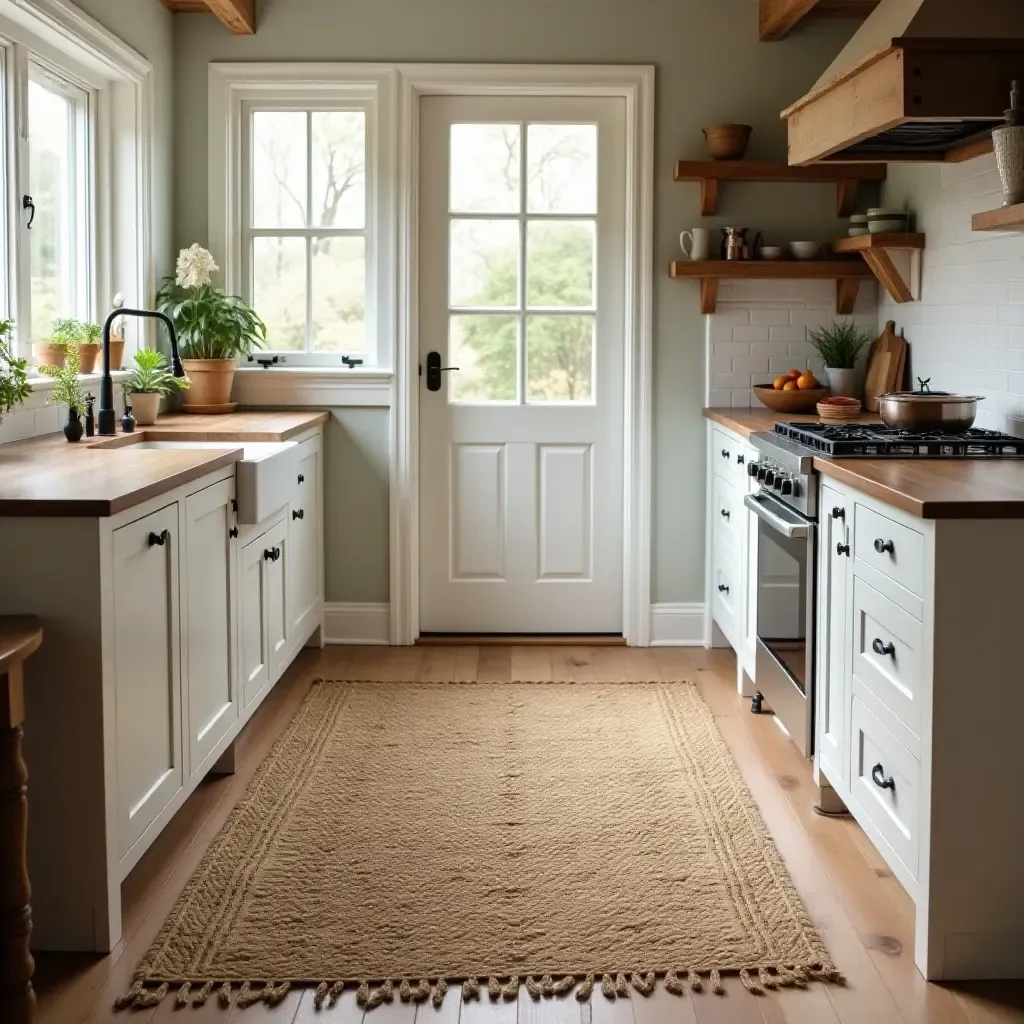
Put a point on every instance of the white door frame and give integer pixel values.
(634, 84)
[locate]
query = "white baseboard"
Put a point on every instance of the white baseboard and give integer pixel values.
(355, 622)
(677, 625)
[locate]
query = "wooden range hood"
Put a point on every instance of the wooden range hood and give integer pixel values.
(922, 80)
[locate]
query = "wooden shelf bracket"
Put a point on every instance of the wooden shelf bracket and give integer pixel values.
(894, 259)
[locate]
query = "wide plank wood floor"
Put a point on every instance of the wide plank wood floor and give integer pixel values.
(862, 912)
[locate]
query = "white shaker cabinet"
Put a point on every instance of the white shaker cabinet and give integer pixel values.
(253, 633)
(146, 671)
(277, 555)
(209, 623)
(305, 561)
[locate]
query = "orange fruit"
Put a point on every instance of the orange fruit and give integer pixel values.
(779, 383)
(790, 385)
(806, 381)
(795, 374)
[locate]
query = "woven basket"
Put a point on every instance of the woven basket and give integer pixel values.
(839, 413)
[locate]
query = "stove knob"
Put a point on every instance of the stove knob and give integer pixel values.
(752, 469)
(777, 483)
(787, 486)
(762, 472)
(769, 478)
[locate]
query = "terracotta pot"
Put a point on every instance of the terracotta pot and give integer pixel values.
(87, 355)
(146, 408)
(49, 354)
(116, 354)
(727, 141)
(211, 382)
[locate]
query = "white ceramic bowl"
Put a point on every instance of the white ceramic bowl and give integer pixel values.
(859, 218)
(771, 252)
(887, 227)
(804, 250)
(856, 232)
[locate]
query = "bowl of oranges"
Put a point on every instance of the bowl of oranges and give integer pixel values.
(796, 391)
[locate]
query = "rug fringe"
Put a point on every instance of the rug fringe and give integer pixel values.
(618, 985)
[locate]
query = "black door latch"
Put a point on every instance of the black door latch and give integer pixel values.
(434, 371)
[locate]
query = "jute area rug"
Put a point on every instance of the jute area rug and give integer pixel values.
(404, 837)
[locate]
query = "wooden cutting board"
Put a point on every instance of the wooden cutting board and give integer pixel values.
(887, 363)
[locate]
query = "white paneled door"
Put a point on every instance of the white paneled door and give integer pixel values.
(521, 298)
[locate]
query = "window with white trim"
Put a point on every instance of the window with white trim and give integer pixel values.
(74, 223)
(305, 230)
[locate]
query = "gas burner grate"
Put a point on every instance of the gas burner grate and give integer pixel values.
(871, 441)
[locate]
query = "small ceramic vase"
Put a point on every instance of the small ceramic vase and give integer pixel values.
(73, 429)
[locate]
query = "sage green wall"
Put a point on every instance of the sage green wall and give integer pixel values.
(710, 67)
(148, 27)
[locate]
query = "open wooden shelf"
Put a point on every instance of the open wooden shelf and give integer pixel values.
(894, 259)
(1006, 218)
(846, 178)
(847, 274)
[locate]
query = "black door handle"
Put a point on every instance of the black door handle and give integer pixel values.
(300, 514)
(882, 546)
(434, 371)
(843, 549)
(28, 203)
(159, 538)
(886, 650)
(879, 779)
(233, 532)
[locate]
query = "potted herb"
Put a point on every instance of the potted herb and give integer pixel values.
(839, 345)
(90, 336)
(14, 385)
(151, 379)
(67, 390)
(214, 329)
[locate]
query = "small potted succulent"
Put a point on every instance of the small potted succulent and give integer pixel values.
(839, 345)
(14, 385)
(67, 390)
(151, 379)
(214, 329)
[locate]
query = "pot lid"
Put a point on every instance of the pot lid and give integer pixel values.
(926, 395)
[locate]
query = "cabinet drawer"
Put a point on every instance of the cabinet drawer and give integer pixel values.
(728, 457)
(725, 594)
(885, 780)
(891, 548)
(727, 512)
(887, 654)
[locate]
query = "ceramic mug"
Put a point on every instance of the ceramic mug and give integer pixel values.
(699, 244)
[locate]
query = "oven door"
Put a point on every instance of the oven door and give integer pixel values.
(786, 544)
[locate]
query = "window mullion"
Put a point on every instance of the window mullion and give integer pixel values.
(309, 224)
(20, 236)
(521, 361)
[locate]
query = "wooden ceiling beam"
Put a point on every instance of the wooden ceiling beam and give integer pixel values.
(237, 15)
(777, 18)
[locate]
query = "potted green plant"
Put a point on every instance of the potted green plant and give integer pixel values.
(151, 379)
(839, 345)
(67, 390)
(14, 385)
(213, 329)
(90, 336)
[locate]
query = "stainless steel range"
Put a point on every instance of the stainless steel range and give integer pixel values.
(786, 504)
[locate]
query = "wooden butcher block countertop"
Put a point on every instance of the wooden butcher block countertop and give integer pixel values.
(929, 488)
(47, 476)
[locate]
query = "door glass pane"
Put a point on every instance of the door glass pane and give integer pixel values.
(279, 169)
(484, 348)
(484, 263)
(279, 291)
(339, 169)
(485, 168)
(561, 168)
(560, 263)
(339, 294)
(52, 186)
(560, 358)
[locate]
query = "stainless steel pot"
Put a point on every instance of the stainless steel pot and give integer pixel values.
(928, 410)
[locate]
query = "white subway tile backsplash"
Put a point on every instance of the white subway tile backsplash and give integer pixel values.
(770, 317)
(751, 334)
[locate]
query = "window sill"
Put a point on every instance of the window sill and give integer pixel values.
(314, 385)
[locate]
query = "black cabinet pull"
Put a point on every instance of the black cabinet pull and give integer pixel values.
(300, 514)
(234, 505)
(233, 532)
(302, 479)
(839, 513)
(722, 588)
(725, 453)
(271, 554)
(879, 779)
(740, 460)
(159, 539)
(886, 650)
(726, 514)
(881, 546)
(843, 549)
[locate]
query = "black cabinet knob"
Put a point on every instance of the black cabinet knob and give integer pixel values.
(298, 514)
(725, 453)
(882, 546)
(839, 513)
(233, 532)
(722, 588)
(843, 549)
(726, 514)
(302, 479)
(740, 460)
(159, 539)
(234, 505)
(885, 650)
(879, 779)
(268, 554)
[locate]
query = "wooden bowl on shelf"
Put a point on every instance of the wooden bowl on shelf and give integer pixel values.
(840, 409)
(789, 401)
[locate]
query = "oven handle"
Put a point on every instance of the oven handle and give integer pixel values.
(798, 531)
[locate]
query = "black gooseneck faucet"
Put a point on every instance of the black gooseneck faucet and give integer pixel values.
(105, 417)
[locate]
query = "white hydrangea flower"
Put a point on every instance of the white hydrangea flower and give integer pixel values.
(195, 265)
